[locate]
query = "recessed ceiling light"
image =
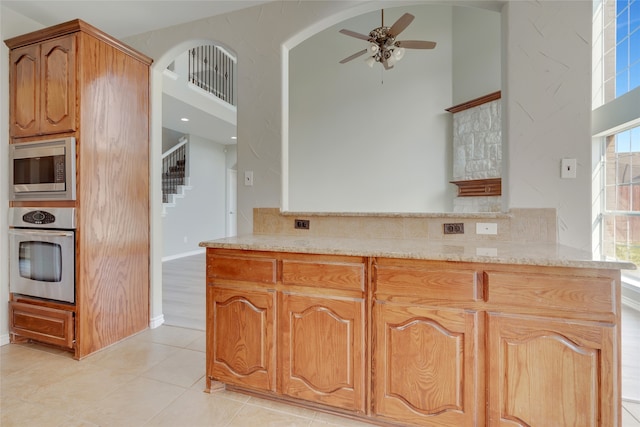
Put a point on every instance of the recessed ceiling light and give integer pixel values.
(234, 137)
(184, 119)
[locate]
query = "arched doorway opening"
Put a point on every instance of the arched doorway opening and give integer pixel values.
(192, 125)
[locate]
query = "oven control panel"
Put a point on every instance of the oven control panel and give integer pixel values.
(59, 218)
(39, 217)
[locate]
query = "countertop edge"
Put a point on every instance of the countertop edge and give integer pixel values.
(549, 255)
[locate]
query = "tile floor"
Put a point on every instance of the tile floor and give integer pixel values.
(155, 378)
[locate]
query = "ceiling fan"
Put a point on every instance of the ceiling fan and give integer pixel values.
(384, 47)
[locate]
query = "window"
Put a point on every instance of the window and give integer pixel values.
(621, 213)
(616, 74)
(627, 23)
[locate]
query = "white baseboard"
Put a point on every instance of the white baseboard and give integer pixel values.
(4, 339)
(183, 255)
(156, 321)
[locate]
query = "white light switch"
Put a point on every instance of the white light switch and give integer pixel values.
(248, 178)
(569, 167)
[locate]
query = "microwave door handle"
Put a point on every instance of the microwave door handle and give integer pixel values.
(41, 233)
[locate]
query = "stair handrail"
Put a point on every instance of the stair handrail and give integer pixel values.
(182, 142)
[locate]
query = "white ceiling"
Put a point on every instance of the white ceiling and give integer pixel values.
(122, 19)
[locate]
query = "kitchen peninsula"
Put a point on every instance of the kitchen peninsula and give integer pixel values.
(417, 331)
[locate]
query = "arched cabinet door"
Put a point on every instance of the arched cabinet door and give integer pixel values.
(58, 99)
(562, 366)
(322, 350)
(427, 365)
(241, 346)
(24, 90)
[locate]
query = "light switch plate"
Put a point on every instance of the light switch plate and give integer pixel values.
(248, 178)
(569, 167)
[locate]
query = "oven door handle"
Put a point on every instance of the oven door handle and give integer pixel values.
(48, 233)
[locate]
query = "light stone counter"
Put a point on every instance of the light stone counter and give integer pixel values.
(498, 252)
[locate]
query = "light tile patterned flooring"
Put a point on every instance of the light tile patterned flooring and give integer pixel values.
(155, 378)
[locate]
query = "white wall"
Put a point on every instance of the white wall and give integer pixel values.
(476, 51)
(367, 140)
(548, 111)
(201, 214)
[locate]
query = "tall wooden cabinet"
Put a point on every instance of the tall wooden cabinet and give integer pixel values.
(74, 80)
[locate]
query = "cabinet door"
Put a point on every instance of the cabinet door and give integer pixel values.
(43, 87)
(551, 373)
(24, 91)
(45, 324)
(240, 342)
(427, 366)
(58, 74)
(322, 349)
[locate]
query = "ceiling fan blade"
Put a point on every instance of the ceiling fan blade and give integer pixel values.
(354, 34)
(402, 23)
(415, 44)
(354, 56)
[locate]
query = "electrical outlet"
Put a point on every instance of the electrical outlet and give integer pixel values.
(302, 224)
(453, 228)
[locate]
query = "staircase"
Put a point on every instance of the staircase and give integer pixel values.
(175, 180)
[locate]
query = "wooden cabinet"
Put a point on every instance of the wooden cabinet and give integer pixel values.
(562, 353)
(427, 365)
(427, 351)
(419, 342)
(74, 80)
(43, 87)
(241, 315)
(562, 366)
(322, 330)
(316, 353)
(243, 339)
(47, 324)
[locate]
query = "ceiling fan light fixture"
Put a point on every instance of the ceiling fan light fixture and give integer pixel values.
(383, 46)
(370, 61)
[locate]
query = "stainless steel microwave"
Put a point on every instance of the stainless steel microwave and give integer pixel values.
(43, 170)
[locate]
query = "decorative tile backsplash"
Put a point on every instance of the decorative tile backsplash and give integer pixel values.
(518, 225)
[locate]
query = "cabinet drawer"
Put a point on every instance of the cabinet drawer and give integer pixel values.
(245, 269)
(335, 275)
(569, 293)
(428, 282)
(49, 325)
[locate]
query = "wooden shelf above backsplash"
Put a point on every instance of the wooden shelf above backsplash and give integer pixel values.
(475, 102)
(479, 187)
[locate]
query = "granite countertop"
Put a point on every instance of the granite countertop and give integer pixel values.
(498, 252)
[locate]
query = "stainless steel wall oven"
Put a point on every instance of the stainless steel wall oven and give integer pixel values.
(42, 252)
